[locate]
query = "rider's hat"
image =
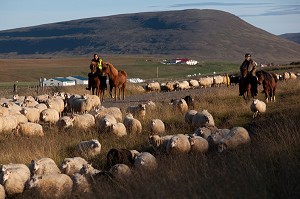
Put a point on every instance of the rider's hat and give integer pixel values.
(247, 55)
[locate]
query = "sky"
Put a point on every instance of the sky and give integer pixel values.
(275, 16)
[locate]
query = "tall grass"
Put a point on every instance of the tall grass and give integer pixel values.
(268, 167)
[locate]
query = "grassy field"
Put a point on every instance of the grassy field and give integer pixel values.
(30, 70)
(266, 168)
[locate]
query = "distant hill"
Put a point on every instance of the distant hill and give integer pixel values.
(295, 37)
(197, 34)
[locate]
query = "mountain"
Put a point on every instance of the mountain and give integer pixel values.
(197, 34)
(295, 37)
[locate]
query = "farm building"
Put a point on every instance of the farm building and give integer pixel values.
(59, 81)
(79, 79)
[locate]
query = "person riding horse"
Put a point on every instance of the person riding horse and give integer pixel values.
(101, 76)
(248, 69)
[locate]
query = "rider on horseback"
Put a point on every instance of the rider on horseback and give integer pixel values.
(102, 77)
(250, 67)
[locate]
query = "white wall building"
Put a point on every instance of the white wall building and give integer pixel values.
(59, 81)
(79, 79)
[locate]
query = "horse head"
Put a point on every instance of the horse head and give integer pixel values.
(93, 66)
(260, 77)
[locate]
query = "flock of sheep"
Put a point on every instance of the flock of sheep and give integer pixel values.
(28, 116)
(208, 81)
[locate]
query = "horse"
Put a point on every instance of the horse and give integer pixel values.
(247, 83)
(269, 82)
(96, 82)
(117, 80)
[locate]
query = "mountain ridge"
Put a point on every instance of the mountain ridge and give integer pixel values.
(200, 34)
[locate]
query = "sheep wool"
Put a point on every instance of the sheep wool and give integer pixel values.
(236, 137)
(188, 116)
(73, 165)
(2, 192)
(157, 126)
(258, 107)
(132, 125)
(198, 144)
(145, 161)
(51, 186)
(43, 166)
(118, 129)
(178, 144)
(30, 129)
(88, 149)
(120, 171)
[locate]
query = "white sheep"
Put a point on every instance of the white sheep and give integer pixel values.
(73, 165)
(2, 192)
(9, 123)
(88, 149)
(15, 178)
(114, 111)
(41, 107)
(81, 184)
(51, 186)
(95, 99)
(178, 144)
(4, 111)
(43, 166)
(120, 171)
(206, 131)
(89, 169)
(198, 144)
(12, 106)
(169, 86)
(157, 126)
(83, 121)
(65, 122)
(134, 153)
(203, 118)
(49, 115)
(29, 129)
(218, 80)
(159, 143)
(180, 105)
(184, 85)
(105, 123)
(137, 111)
(145, 161)
(118, 129)
(32, 114)
(132, 124)
(258, 107)
(56, 103)
(218, 135)
(188, 116)
(80, 105)
(205, 82)
(236, 137)
(20, 117)
(194, 83)
(153, 86)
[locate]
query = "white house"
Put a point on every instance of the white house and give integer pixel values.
(79, 79)
(59, 81)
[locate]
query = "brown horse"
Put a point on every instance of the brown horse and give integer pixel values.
(248, 83)
(117, 80)
(96, 83)
(269, 83)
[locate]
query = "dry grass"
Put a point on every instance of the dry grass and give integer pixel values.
(266, 168)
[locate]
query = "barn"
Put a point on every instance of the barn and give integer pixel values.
(59, 81)
(79, 79)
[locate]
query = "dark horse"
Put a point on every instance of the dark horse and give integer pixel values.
(97, 82)
(269, 82)
(248, 84)
(117, 80)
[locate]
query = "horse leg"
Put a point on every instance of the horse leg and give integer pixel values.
(124, 86)
(116, 94)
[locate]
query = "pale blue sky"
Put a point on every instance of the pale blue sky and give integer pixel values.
(274, 16)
